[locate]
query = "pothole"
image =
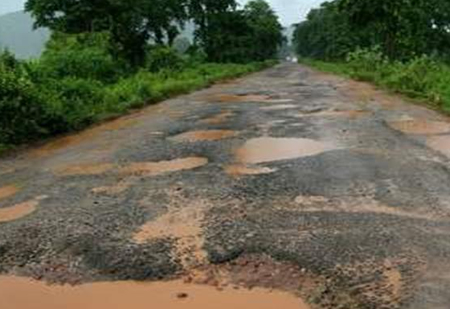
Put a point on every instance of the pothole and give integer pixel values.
(218, 119)
(85, 169)
(268, 149)
(8, 191)
(183, 223)
(137, 295)
(20, 210)
(114, 189)
(246, 170)
(440, 144)
(201, 136)
(420, 126)
(162, 167)
(224, 98)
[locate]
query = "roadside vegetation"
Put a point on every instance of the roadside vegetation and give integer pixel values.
(107, 57)
(400, 45)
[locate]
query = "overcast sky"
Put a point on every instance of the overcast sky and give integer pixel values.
(290, 11)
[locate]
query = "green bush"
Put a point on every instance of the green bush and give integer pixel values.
(164, 59)
(24, 112)
(80, 56)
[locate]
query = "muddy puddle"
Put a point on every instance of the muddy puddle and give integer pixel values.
(20, 210)
(8, 191)
(135, 295)
(163, 167)
(218, 119)
(203, 136)
(269, 149)
(420, 126)
(85, 169)
(440, 144)
(245, 170)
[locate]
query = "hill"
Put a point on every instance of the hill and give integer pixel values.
(17, 35)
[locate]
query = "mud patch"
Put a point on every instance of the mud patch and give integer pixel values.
(182, 222)
(279, 107)
(440, 143)
(218, 119)
(232, 98)
(137, 295)
(335, 113)
(245, 170)
(115, 189)
(420, 126)
(202, 136)
(357, 205)
(20, 210)
(269, 149)
(163, 167)
(8, 191)
(85, 169)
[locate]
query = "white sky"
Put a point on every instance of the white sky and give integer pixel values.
(290, 11)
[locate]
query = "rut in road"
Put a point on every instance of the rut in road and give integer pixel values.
(288, 180)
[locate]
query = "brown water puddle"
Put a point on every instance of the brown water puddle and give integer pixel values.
(163, 167)
(218, 119)
(279, 107)
(85, 169)
(8, 191)
(244, 170)
(21, 293)
(420, 126)
(20, 210)
(268, 149)
(182, 222)
(440, 143)
(202, 136)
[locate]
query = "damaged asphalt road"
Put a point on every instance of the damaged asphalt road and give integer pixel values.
(287, 179)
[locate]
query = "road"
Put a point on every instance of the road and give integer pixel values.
(288, 179)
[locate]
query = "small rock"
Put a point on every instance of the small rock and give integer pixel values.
(182, 295)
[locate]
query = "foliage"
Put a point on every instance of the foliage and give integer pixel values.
(266, 32)
(131, 22)
(82, 56)
(164, 58)
(403, 29)
(422, 77)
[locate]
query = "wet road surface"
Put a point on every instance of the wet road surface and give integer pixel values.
(286, 188)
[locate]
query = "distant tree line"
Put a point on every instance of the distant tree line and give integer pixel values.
(401, 29)
(223, 31)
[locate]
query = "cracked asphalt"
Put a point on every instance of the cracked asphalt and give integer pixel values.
(288, 179)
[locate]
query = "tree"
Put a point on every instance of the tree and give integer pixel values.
(132, 23)
(404, 28)
(217, 25)
(326, 34)
(266, 33)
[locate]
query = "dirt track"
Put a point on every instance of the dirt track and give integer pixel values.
(287, 179)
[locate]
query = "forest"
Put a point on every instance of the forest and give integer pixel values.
(401, 45)
(107, 57)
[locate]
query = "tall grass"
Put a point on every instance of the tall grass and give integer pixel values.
(423, 77)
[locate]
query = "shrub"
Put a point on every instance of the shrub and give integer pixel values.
(80, 56)
(23, 110)
(164, 59)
